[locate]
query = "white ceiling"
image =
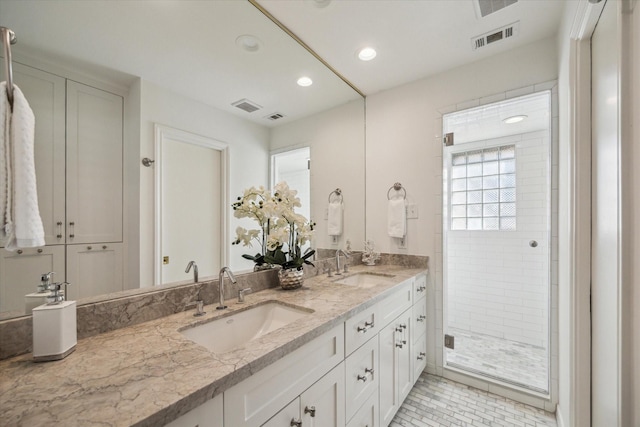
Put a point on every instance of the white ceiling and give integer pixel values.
(189, 46)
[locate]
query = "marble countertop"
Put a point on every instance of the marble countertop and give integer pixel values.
(149, 374)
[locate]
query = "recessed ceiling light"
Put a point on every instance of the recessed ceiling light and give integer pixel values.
(249, 43)
(367, 54)
(515, 119)
(305, 81)
(320, 4)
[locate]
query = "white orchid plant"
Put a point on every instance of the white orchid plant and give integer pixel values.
(280, 228)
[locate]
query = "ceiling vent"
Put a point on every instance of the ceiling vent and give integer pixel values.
(274, 116)
(503, 33)
(487, 7)
(246, 105)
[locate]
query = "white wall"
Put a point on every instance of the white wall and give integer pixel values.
(336, 139)
(403, 135)
(249, 159)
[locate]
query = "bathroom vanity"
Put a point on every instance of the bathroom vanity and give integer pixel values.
(350, 360)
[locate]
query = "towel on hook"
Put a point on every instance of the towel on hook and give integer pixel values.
(20, 222)
(334, 218)
(397, 218)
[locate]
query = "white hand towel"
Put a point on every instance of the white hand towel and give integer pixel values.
(396, 218)
(21, 221)
(334, 219)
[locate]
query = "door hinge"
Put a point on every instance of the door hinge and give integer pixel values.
(449, 341)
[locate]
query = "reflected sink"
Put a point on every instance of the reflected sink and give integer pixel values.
(365, 280)
(233, 331)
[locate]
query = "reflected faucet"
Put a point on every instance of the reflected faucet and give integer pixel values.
(338, 252)
(195, 270)
(223, 270)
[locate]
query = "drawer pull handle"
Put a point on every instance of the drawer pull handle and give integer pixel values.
(311, 410)
(59, 235)
(362, 378)
(422, 355)
(368, 371)
(421, 318)
(369, 324)
(295, 423)
(72, 226)
(362, 329)
(399, 345)
(403, 326)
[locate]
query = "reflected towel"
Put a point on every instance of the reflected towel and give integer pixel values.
(397, 218)
(20, 223)
(334, 219)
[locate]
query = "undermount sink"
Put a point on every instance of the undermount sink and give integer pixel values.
(365, 280)
(229, 332)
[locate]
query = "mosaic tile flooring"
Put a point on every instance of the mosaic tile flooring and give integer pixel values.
(521, 364)
(436, 401)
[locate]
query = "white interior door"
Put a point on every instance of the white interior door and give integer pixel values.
(606, 256)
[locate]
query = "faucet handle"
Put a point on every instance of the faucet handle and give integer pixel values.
(242, 293)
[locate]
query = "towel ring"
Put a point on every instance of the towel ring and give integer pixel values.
(338, 193)
(397, 186)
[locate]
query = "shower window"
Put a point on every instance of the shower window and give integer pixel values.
(483, 189)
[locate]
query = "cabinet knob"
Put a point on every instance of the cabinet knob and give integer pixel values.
(362, 378)
(104, 246)
(89, 248)
(311, 410)
(40, 250)
(399, 345)
(19, 251)
(368, 371)
(295, 423)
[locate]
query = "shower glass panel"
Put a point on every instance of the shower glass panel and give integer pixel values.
(497, 237)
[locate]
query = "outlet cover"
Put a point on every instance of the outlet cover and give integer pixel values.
(412, 211)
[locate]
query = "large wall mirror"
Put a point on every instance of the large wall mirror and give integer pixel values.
(220, 70)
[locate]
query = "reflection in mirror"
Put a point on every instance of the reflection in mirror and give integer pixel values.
(187, 82)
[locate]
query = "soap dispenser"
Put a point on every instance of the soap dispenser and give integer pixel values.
(39, 297)
(54, 326)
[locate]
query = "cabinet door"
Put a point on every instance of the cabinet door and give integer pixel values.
(388, 378)
(46, 95)
(209, 414)
(288, 416)
(322, 404)
(94, 165)
(367, 415)
(419, 360)
(361, 375)
(94, 269)
(405, 365)
(20, 274)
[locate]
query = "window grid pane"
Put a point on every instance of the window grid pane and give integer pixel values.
(483, 189)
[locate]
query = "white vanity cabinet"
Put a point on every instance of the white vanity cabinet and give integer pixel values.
(258, 398)
(209, 414)
(419, 327)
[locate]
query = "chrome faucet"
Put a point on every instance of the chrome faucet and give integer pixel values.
(223, 270)
(338, 252)
(195, 270)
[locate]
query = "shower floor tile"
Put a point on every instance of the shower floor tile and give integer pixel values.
(521, 364)
(435, 401)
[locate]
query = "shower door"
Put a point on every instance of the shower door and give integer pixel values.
(496, 249)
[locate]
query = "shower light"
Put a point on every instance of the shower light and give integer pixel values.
(305, 81)
(515, 119)
(367, 54)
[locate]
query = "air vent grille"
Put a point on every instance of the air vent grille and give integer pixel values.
(495, 36)
(274, 116)
(487, 7)
(246, 105)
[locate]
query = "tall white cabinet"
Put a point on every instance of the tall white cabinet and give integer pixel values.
(79, 172)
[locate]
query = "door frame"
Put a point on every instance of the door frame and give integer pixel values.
(161, 134)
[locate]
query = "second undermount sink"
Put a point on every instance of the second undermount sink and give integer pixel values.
(365, 280)
(235, 330)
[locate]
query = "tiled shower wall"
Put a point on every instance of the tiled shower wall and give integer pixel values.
(497, 282)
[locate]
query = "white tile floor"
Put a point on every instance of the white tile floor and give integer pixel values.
(436, 401)
(521, 364)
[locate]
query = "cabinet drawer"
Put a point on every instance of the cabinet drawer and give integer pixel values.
(419, 361)
(367, 415)
(361, 373)
(360, 328)
(419, 287)
(419, 318)
(392, 306)
(259, 397)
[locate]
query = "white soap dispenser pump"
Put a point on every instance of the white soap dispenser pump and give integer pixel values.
(54, 326)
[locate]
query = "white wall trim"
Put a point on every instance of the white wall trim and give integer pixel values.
(161, 134)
